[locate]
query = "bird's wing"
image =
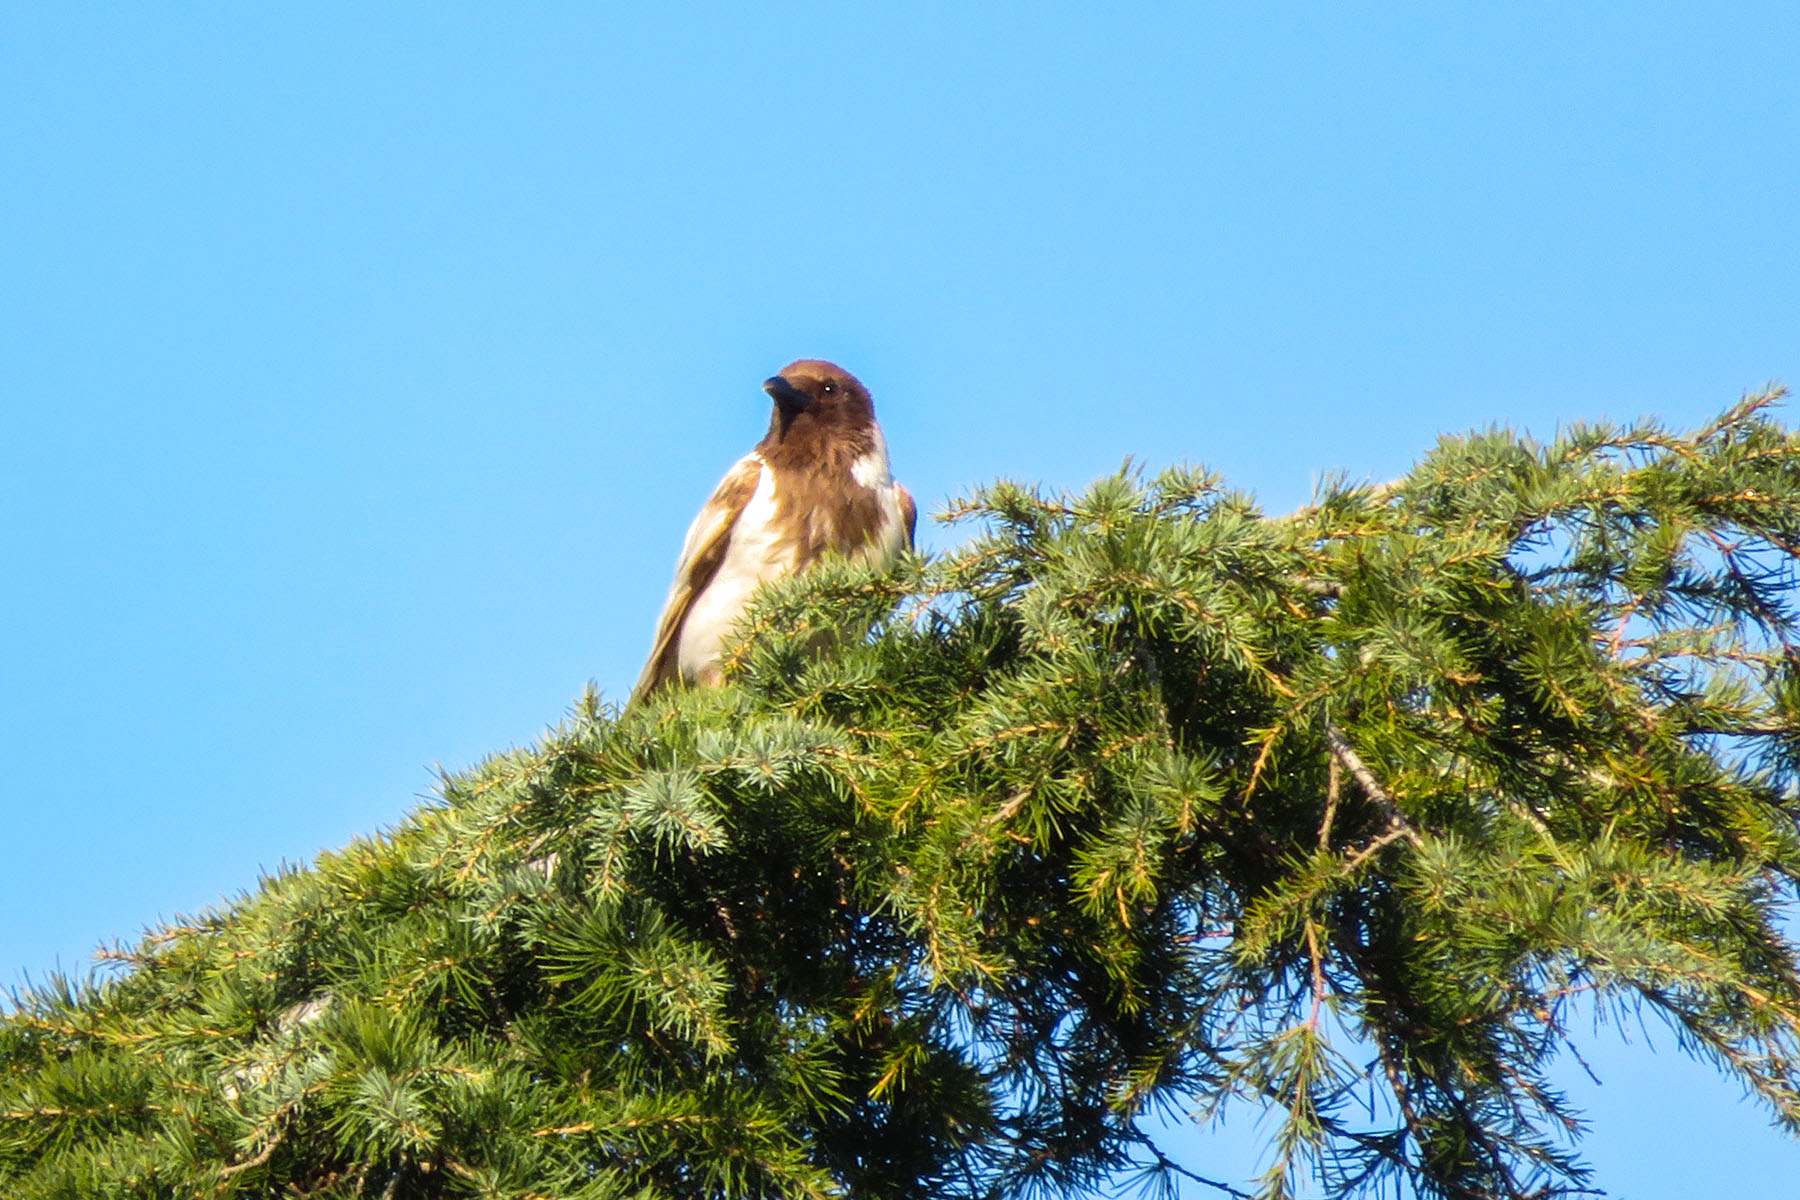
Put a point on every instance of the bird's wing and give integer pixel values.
(909, 513)
(707, 540)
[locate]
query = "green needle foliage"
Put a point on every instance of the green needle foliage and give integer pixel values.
(1142, 801)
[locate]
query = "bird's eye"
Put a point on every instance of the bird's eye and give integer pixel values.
(829, 388)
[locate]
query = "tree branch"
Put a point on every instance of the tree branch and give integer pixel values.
(1365, 778)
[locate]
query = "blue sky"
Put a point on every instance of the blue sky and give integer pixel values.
(363, 365)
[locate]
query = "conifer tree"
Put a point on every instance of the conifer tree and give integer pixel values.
(1142, 799)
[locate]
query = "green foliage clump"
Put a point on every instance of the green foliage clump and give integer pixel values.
(1143, 798)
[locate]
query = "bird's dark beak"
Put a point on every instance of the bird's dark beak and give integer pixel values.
(791, 398)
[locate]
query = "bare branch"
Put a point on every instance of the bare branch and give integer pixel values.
(1365, 778)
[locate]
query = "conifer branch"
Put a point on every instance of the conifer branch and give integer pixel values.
(1344, 753)
(1054, 843)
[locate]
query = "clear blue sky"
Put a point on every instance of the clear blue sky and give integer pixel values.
(361, 365)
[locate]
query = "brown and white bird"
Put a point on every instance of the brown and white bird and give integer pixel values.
(817, 483)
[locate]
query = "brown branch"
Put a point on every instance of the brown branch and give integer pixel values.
(1318, 972)
(1376, 845)
(1343, 752)
(262, 1157)
(1164, 1162)
(1332, 783)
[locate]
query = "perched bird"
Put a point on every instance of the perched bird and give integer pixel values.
(817, 483)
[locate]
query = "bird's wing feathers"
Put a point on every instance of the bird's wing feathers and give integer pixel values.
(909, 513)
(707, 540)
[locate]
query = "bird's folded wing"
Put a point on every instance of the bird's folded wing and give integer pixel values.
(708, 538)
(909, 513)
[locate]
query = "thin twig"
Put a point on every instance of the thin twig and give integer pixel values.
(262, 1157)
(1376, 845)
(1332, 781)
(1170, 1165)
(1318, 971)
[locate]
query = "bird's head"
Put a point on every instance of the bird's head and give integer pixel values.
(819, 393)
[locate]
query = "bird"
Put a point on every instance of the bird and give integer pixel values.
(818, 483)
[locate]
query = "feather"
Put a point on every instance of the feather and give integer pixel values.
(702, 553)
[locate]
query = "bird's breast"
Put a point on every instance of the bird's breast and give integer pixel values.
(853, 510)
(757, 552)
(792, 520)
